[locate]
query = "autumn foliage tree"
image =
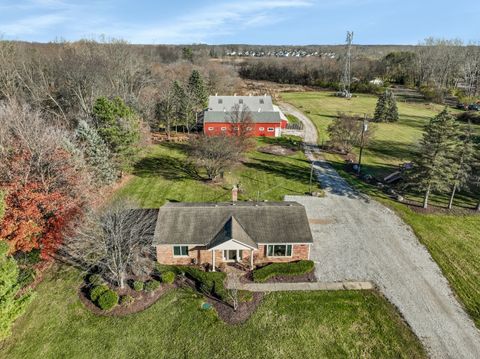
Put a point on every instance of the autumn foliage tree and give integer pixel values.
(44, 184)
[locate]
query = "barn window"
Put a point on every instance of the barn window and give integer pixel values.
(180, 251)
(261, 128)
(240, 100)
(223, 128)
(249, 128)
(279, 250)
(262, 101)
(270, 129)
(220, 100)
(210, 128)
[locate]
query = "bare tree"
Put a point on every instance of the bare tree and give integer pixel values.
(242, 122)
(113, 241)
(212, 155)
(345, 132)
(233, 284)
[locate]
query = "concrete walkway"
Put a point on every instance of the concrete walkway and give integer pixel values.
(304, 286)
(358, 239)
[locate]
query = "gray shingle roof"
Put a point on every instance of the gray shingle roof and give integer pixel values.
(232, 230)
(221, 103)
(201, 223)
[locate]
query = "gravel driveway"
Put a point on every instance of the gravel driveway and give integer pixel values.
(359, 239)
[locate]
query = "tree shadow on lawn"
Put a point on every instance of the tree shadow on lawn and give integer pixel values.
(170, 168)
(396, 150)
(287, 170)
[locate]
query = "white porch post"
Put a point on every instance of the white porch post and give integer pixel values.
(213, 260)
(251, 258)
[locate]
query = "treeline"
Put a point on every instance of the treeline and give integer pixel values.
(435, 67)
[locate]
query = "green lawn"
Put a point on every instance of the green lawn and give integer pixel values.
(287, 325)
(160, 176)
(453, 240)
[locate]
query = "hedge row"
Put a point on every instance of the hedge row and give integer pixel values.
(282, 269)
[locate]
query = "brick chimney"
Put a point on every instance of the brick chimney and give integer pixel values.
(234, 193)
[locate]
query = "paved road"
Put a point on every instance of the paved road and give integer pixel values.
(360, 240)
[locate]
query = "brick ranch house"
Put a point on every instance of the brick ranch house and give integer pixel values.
(266, 119)
(251, 233)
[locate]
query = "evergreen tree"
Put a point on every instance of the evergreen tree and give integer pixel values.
(11, 305)
(463, 157)
(197, 91)
(182, 104)
(119, 126)
(391, 112)
(380, 108)
(433, 171)
(96, 153)
(474, 180)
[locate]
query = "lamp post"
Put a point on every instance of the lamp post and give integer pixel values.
(364, 129)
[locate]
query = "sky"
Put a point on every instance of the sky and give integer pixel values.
(269, 22)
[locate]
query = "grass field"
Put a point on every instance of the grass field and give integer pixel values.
(287, 325)
(393, 143)
(453, 240)
(160, 176)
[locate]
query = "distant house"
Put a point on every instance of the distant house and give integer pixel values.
(252, 233)
(265, 119)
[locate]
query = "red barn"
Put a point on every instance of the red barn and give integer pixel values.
(265, 119)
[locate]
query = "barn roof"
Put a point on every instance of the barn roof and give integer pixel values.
(211, 223)
(254, 103)
(259, 117)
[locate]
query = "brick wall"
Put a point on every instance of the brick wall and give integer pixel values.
(202, 255)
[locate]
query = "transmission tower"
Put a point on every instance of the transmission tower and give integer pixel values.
(347, 76)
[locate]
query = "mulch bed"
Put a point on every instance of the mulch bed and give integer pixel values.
(244, 311)
(307, 277)
(142, 301)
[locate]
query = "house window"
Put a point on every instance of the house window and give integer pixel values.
(180, 251)
(261, 128)
(210, 128)
(270, 129)
(279, 250)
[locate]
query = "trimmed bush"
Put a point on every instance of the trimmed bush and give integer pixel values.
(152, 285)
(168, 277)
(126, 300)
(95, 279)
(97, 291)
(108, 300)
(285, 269)
(138, 285)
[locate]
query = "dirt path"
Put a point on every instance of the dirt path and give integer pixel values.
(359, 239)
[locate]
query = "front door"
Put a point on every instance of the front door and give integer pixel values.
(232, 255)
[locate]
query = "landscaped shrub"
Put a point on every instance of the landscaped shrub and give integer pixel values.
(209, 282)
(108, 300)
(126, 300)
(168, 277)
(97, 291)
(152, 285)
(287, 269)
(138, 285)
(95, 279)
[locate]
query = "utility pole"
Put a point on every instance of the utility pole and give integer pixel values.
(346, 77)
(311, 177)
(364, 129)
